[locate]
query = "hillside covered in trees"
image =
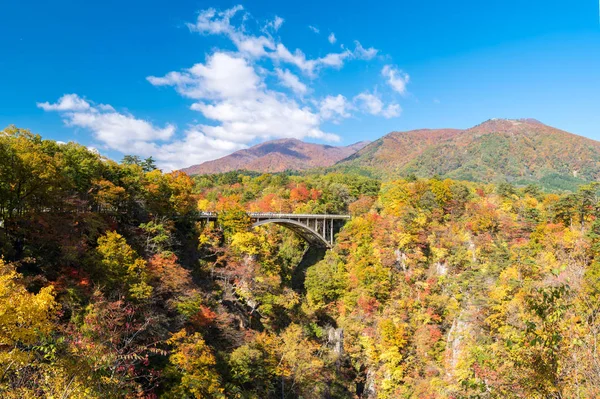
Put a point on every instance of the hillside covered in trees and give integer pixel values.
(277, 156)
(111, 288)
(520, 151)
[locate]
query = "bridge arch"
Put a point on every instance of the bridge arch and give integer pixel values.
(317, 229)
(305, 232)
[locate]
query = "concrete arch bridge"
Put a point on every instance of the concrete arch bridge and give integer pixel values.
(317, 229)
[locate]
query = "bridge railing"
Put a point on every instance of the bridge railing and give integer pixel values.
(317, 229)
(272, 215)
(207, 214)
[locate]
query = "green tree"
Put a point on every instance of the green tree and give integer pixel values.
(121, 267)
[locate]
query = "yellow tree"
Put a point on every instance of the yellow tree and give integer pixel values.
(301, 363)
(24, 319)
(169, 193)
(195, 363)
(122, 266)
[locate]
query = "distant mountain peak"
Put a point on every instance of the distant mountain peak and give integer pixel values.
(530, 120)
(520, 151)
(277, 156)
(509, 121)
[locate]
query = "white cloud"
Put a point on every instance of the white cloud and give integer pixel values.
(331, 38)
(391, 111)
(105, 107)
(334, 59)
(222, 76)
(195, 147)
(275, 24)
(116, 130)
(297, 58)
(334, 107)
(265, 116)
(314, 29)
(253, 46)
(229, 89)
(230, 92)
(130, 135)
(369, 102)
(362, 53)
(308, 66)
(68, 102)
(215, 22)
(289, 80)
(373, 105)
(396, 78)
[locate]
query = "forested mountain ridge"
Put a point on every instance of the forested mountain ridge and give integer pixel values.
(519, 151)
(111, 288)
(277, 156)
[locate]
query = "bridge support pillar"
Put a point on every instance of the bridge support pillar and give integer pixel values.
(317, 230)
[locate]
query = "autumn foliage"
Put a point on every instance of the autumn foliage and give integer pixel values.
(111, 287)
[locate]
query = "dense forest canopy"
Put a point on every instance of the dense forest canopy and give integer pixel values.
(110, 287)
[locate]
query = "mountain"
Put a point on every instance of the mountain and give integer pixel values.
(278, 156)
(520, 151)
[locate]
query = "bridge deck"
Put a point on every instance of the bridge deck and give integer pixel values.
(317, 229)
(267, 215)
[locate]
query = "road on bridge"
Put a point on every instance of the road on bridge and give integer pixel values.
(317, 229)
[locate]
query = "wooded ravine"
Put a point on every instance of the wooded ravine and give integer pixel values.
(110, 286)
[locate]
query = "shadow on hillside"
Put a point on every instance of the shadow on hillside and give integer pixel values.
(311, 256)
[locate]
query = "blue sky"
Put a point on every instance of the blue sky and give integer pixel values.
(189, 81)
